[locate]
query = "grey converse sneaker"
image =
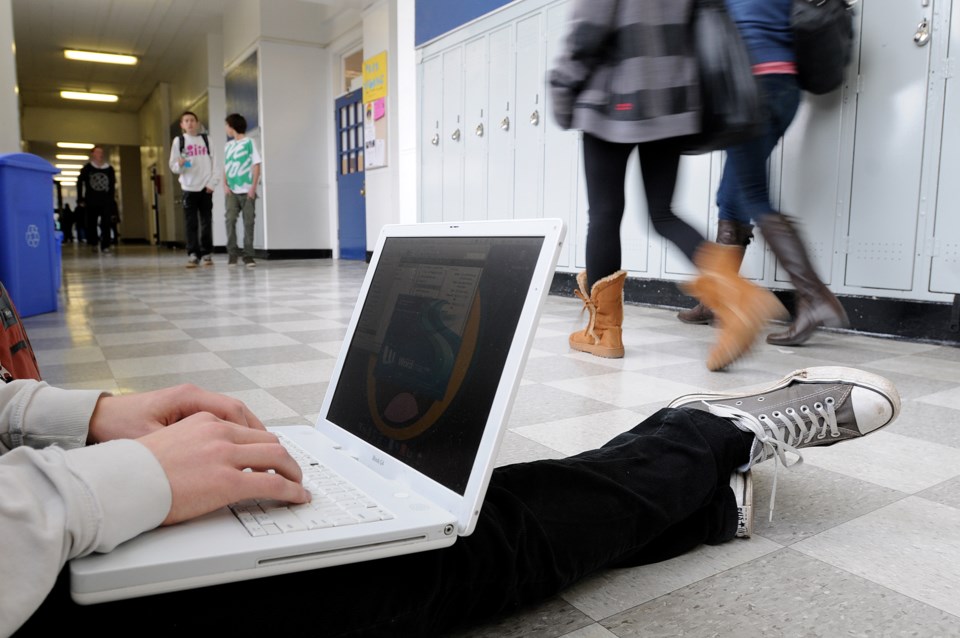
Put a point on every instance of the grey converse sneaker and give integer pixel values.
(742, 485)
(806, 408)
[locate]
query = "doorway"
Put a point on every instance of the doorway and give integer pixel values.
(351, 196)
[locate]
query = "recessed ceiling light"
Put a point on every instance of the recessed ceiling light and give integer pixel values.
(93, 97)
(70, 173)
(68, 156)
(93, 56)
(86, 145)
(73, 166)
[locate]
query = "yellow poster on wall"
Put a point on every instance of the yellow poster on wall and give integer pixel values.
(375, 111)
(375, 77)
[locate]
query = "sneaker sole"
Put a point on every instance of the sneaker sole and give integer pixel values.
(820, 374)
(745, 508)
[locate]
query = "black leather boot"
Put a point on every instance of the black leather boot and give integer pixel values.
(816, 304)
(729, 233)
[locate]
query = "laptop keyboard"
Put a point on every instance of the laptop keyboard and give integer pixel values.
(336, 502)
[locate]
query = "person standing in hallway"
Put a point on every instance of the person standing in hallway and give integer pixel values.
(744, 193)
(241, 174)
(66, 223)
(192, 159)
(96, 194)
(627, 77)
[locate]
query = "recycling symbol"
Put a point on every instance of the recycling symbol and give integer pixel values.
(33, 236)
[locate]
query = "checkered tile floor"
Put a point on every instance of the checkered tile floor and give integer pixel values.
(865, 536)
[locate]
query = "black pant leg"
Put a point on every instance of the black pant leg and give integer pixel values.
(543, 526)
(205, 213)
(190, 208)
(659, 163)
(605, 166)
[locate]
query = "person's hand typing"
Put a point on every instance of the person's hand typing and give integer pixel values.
(204, 458)
(134, 415)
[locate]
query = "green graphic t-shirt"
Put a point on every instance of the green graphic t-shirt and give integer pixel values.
(239, 158)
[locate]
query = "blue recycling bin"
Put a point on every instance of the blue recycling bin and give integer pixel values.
(29, 266)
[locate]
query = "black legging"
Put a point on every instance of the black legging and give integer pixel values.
(605, 165)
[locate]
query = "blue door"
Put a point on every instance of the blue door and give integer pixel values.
(350, 181)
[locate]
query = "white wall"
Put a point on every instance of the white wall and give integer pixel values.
(155, 116)
(295, 103)
(382, 184)
(99, 127)
(9, 102)
(241, 29)
(406, 88)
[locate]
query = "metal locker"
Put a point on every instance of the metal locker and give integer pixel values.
(945, 262)
(811, 156)
(431, 144)
(528, 135)
(561, 148)
(693, 202)
(888, 143)
(452, 134)
(500, 175)
(475, 131)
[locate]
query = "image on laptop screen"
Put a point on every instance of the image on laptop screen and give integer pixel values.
(422, 369)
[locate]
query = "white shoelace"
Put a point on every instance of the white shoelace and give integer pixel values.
(782, 433)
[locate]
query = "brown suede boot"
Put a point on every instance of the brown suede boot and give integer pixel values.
(729, 233)
(816, 304)
(603, 336)
(742, 309)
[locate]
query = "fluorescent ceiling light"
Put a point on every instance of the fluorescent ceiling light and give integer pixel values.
(93, 56)
(68, 156)
(69, 181)
(70, 173)
(74, 145)
(93, 97)
(69, 165)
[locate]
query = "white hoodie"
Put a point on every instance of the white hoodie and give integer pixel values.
(202, 172)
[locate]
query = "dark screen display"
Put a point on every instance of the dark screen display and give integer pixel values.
(425, 361)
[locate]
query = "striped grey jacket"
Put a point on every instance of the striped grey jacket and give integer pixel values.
(627, 72)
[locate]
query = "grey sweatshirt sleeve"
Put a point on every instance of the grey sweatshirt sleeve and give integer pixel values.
(36, 415)
(592, 22)
(59, 504)
(56, 504)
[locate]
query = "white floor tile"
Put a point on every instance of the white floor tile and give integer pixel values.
(578, 434)
(281, 374)
(625, 389)
(891, 460)
(911, 546)
(247, 342)
(166, 364)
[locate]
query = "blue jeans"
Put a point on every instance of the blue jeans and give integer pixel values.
(744, 193)
(650, 494)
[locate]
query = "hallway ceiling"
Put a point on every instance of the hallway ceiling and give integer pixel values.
(162, 33)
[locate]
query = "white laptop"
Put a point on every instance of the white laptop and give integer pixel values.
(416, 407)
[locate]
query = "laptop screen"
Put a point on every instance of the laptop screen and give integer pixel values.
(423, 367)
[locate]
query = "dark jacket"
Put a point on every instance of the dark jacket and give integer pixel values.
(96, 186)
(627, 72)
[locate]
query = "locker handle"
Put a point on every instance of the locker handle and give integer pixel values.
(922, 36)
(455, 136)
(535, 118)
(505, 123)
(435, 140)
(479, 130)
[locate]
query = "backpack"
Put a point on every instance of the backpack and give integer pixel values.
(823, 42)
(17, 360)
(206, 142)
